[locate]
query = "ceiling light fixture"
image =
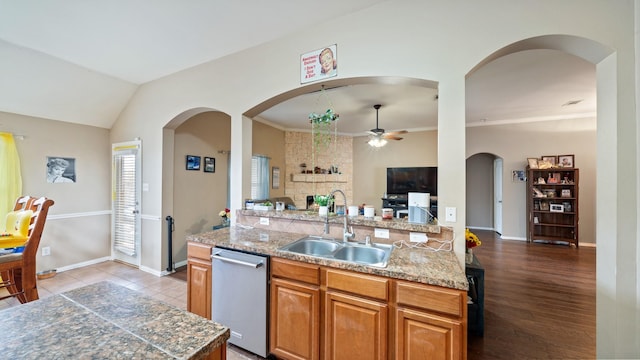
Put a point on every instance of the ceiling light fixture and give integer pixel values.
(377, 142)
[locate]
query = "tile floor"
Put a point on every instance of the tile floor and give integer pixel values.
(168, 289)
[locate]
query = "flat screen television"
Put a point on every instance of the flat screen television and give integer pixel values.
(401, 181)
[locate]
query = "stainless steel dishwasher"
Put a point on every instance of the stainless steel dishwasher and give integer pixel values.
(239, 297)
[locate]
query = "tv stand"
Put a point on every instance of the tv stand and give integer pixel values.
(401, 202)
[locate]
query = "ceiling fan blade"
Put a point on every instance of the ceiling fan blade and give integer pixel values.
(391, 137)
(397, 132)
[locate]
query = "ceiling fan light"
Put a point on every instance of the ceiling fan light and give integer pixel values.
(377, 142)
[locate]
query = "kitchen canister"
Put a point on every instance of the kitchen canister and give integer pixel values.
(387, 213)
(353, 210)
(369, 211)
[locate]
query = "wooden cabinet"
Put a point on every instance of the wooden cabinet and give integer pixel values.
(324, 313)
(199, 279)
(356, 315)
(552, 205)
(430, 322)
(295, 310)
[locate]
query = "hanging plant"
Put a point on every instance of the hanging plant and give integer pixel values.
(321, 128)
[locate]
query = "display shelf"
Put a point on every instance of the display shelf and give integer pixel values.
(552, 205)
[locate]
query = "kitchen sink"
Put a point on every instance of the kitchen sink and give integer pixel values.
(363, 254)
(313, 245)
(353, 252)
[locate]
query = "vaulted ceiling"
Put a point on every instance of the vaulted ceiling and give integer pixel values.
(94, 55)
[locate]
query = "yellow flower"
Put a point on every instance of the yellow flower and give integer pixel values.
(471, 239)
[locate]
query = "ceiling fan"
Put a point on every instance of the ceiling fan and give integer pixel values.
(378, 137)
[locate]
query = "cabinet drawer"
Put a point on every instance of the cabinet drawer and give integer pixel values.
(199, 251)
(289, 269)
(366, 285)
(428, 297)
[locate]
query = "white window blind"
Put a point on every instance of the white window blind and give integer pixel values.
(259, 177)
(125, 201)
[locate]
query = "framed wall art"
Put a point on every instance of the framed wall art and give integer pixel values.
(209, 164)
(533, 163)
(61, 170)
(193, 162)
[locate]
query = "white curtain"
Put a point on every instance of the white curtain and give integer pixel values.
(259, 177)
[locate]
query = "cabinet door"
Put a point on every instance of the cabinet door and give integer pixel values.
(199, 287)
(355, 328)
(295, 323)
(420, 335)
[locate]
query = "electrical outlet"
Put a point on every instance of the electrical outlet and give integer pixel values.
(381, 233)
(46, 251)
(418, 237)
(264, 221)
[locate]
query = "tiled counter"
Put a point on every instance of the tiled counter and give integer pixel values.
(106, 321)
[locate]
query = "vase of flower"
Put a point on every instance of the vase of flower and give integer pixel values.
(225, 215)
(471, 241)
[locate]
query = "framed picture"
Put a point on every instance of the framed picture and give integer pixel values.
(209, 164)
(519, 176)
(556, 208)
(566, 193)
(552, 159)
(533, 163)
(193, 162)
(544, 206)
(61, 170)
(566, 161)
(275, 177)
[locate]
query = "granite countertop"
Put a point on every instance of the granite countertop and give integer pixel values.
(421, 265)
(105, 321)
(309, 215)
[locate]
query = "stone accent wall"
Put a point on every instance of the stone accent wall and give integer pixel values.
(299, 150)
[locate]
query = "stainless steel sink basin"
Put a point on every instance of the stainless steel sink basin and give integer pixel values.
(370, 255)
(312, 245)
(373, 255)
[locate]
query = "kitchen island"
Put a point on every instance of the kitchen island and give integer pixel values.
(414, 308)
(107, 321)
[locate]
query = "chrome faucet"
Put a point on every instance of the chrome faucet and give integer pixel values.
(347, 231)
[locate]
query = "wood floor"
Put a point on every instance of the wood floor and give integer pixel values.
(540, 301)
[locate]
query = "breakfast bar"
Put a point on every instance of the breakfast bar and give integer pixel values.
(107, 321)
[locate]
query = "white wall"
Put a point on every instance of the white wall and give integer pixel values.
(439, 41)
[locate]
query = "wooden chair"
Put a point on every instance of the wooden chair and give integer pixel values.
(18, 270)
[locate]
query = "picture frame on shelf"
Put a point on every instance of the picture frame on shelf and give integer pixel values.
(533, 163)
(544, 206)
(193, 162)
(556, 208)
(209, 164)
(566, 161)
(553, 159)
(566, 193)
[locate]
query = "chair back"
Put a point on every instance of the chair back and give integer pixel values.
(40, 208)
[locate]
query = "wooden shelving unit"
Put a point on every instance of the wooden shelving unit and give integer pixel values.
(552, 205)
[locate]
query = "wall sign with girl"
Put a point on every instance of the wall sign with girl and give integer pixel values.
(319, 64)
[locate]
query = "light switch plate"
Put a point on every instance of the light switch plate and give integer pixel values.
(264, 221)
(381, 233)
(450, 214)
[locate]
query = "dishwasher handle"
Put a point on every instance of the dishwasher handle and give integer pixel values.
(239, 262)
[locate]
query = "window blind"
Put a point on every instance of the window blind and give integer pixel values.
(124, 201)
